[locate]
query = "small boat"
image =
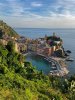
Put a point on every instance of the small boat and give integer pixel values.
(69, 59)
(51, 71)
(49, 61)
(46, 59)
(54, 68)
(53, 64)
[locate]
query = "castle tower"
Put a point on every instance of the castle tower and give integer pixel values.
(54, 34)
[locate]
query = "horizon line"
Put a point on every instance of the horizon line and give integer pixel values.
(43, 28)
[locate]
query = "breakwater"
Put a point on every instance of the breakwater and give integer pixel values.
(54, 67)
(57, 68)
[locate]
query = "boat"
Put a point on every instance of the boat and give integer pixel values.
(69, 59)
(55, 73)
(54, 68)
(46, 59)
(51, 72)
(53, 64)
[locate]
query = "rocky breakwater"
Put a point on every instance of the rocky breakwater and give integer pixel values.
(61, 67)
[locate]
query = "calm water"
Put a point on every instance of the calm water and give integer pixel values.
(39, 63)
(68, 36)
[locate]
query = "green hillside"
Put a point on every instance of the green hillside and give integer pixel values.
(7, 30)
(19, 80)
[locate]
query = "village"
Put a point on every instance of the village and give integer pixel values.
(47, 46)
(50, 47)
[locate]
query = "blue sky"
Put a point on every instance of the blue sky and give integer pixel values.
(38, 13)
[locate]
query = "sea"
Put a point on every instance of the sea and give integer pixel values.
(68, 36)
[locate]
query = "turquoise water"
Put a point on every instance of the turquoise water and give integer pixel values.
(68, 36)
(39, 63)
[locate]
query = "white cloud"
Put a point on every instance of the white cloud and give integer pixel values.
(22, 16)
(36, 4)
(42, 22)
(66, 5)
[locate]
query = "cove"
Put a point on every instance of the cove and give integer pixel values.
(39, 63)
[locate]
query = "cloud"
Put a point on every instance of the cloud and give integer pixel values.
(36, 4)
(65, 6)
(42, 22)
(38, 14)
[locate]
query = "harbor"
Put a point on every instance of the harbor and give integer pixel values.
(56, 67)
(51, 49)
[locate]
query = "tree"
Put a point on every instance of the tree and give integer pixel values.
(10, 46)
(3, 69)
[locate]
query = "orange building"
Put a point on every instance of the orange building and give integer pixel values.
(47, 51)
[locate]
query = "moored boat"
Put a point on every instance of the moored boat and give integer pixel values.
(69, 59)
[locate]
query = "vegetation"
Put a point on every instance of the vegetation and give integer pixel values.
(19, 80)
(54, 38)
(7, 30)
